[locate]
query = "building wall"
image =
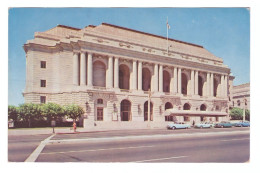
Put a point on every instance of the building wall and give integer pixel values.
(68, 75)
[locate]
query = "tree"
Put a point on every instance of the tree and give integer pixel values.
(30, 112)
(73, 111)
(13, 113)
(52, 111)
(247, 115)
(236, 113)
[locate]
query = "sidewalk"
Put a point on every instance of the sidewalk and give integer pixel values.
(63, 130)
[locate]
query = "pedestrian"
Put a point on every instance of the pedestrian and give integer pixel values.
(74, 126)
(193, 123)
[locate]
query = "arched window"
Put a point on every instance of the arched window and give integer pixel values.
(99, 101)
(200, 86)
(168, 105)
(184, 84)
(186, 106)
(203, 107)
(124, 76)
(166, 81)
(99, 75)
(146, 82)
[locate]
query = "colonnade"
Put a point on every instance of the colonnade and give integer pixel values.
(85, 71)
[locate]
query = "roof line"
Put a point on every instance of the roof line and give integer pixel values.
(68, 27)
(151, 34)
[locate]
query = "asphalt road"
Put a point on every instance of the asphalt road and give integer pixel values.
(20, 147)
(192, 145)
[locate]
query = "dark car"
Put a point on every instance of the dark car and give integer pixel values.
(223, 124)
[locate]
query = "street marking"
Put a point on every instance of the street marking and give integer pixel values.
(235, 139)
(101, 149)
(34, 155)
(167, 158)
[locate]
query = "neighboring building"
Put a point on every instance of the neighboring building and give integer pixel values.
(241, 96)
(108, 70)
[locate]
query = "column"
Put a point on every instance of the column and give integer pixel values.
(226, 85)
(211, 84)
(160, 78)
(172, 82)
(90, 70)
(179, 80)
(140, 68)
(155, 77)
(208, 85)
(75, 69)
(196, 82)
(192, 82)
(116, 73)
(110, 72)
(82, 69)
(175, 80)
(222, 86)
(134, 75)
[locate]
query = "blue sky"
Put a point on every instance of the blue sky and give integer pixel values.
(224, 32)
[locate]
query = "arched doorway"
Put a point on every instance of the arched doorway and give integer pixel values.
(146, 82)
(168, 105)
(202, 108)
(146, 111)
(166, 81)
(126, 110)
(184, 84)
(99, 77)
(124, 77)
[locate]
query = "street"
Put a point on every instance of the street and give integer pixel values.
(192, 145)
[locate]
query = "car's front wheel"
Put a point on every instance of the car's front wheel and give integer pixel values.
(173, 128)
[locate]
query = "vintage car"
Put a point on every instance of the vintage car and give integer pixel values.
(223, 124)
(243, 124)
(178, 125)
(204, 125)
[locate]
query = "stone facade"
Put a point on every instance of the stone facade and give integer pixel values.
(241, 96)
(112, 72)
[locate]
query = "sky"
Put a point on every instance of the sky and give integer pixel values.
(225, 32)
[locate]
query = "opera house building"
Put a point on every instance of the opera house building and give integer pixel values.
(124, 78)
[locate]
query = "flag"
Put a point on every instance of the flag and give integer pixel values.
(168, 26)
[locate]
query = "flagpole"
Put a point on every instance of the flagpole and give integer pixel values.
(167, 36)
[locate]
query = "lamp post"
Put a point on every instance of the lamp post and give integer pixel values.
(149, 105)
(53, 124)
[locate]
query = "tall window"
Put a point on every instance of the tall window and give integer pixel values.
(43, 99)
(43, 83)
(43, 64)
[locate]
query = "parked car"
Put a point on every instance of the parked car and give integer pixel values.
(204, 125)
(178, 125)
(243, 124)
(223, 124)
